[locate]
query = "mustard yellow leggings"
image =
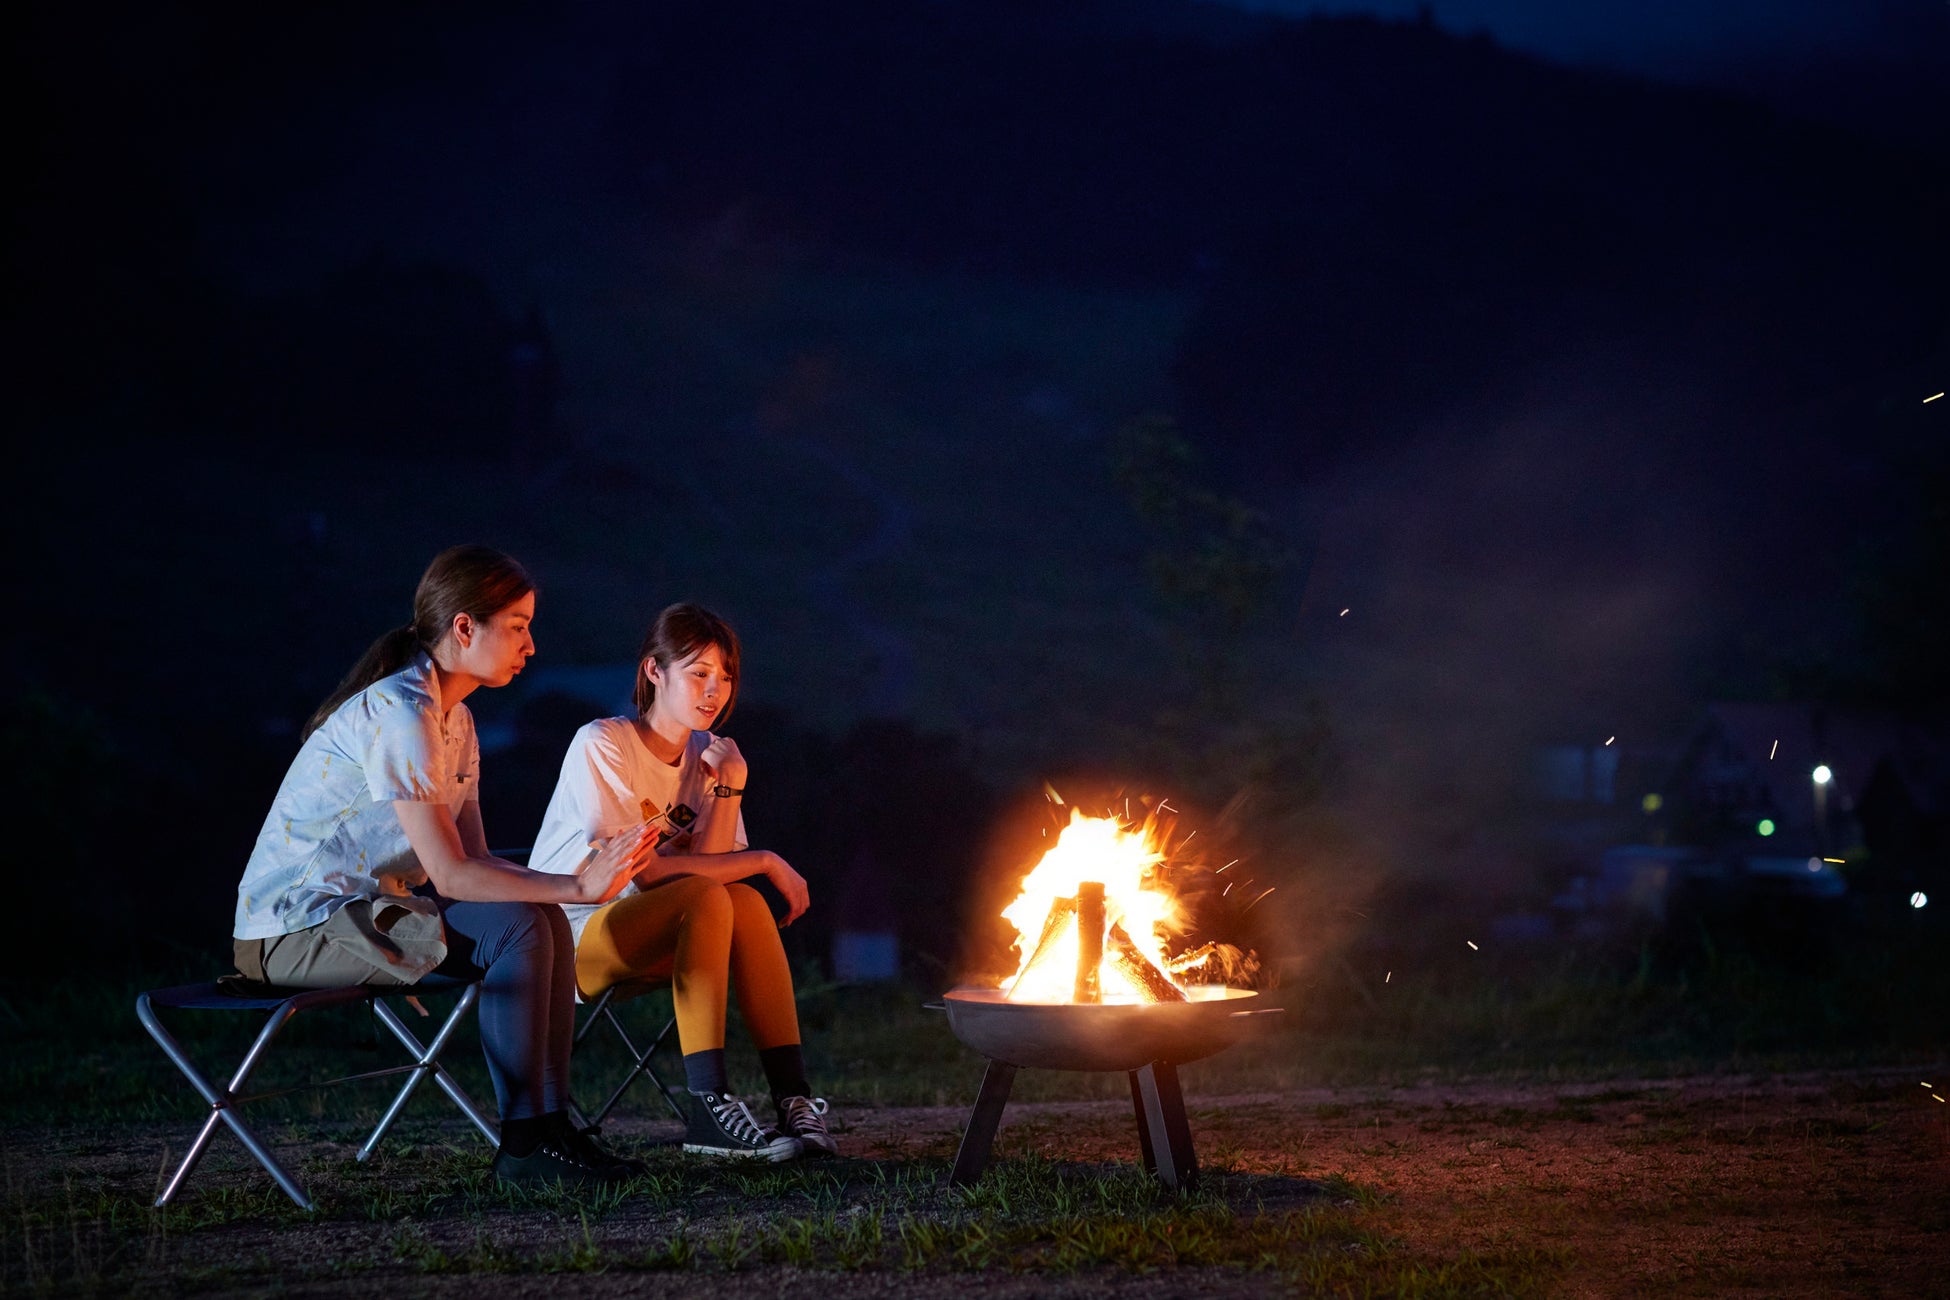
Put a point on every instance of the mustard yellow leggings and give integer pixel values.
(698, 934)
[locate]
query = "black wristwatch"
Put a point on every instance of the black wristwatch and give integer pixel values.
(723, 791)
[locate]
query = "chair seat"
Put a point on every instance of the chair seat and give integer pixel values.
(249, 995)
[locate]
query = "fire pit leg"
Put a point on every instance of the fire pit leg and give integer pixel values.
(982, 1123)
(1144, 1126)
(1163, 1131)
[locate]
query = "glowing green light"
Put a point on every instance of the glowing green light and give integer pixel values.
(1766, 826)
(1652, 803)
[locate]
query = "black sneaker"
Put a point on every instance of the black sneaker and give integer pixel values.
(583, 1144)
(721, 1125)
(555, 1163)
(805, 1118)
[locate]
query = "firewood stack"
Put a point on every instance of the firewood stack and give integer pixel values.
(1140, 970)
(1090, 942)
(1096, 943)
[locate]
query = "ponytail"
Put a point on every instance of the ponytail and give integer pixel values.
(384, 657)
(475, 580)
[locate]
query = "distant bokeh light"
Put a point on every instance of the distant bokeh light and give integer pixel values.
(1919, 899)
(1652, 803)
(1766, 826)
(1822, 775)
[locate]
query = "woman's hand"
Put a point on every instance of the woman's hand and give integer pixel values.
(723, 763)
(609, 869)
(789, 883)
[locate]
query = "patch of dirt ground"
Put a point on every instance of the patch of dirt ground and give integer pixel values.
(1820, 1184)
(1808, 1185)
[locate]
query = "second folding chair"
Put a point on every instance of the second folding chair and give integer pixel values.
(643, 1063)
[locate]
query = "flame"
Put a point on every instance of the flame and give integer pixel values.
(1122, 859)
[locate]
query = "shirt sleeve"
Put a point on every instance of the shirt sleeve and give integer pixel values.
(404, 758)
(608, 804)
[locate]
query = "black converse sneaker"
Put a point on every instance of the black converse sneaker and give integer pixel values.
(582, 1143)
(554, 1162)
(721, 1125)
(805, 1118)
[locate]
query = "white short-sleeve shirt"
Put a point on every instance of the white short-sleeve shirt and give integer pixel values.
(332, 835)
(611, 782)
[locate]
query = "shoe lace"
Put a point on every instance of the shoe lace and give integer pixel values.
(804, 1113)
(736, 1119)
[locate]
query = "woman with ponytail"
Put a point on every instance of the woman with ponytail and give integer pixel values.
(372, 866)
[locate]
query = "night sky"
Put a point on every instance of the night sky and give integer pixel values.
(1579, 354)
(1676, 39)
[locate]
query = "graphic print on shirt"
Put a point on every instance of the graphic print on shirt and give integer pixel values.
(677, 829)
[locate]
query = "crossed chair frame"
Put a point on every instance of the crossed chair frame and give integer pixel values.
(226, 1101)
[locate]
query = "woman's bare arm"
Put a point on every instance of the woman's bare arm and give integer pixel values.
(729, 868)
(440, 841)
(717, 831)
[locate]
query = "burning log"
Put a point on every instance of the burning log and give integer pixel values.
(1061, 912)
(1216, 963)
(1062, 915)
(1090, 941)
(1140, 970)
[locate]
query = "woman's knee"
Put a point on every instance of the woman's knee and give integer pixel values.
(536, 924)
(528, 931)
(707, 903)
(749, 907)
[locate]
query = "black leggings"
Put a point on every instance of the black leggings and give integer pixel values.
(525, 958)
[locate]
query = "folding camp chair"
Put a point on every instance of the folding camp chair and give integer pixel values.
(643, 1063)
(282, 1005)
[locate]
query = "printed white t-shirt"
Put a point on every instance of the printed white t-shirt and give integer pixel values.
(332, 834)
(611, 782)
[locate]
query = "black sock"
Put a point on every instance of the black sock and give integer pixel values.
(520, 1137)
(785, 1070)
(704, 1071)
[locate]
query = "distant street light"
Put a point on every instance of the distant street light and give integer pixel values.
(1822, 775)
(1919, 899)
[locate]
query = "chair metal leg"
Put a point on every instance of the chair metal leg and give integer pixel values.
(221, 1100)
(642, 1061)
(596, 1009)
(657, 1080)
(426, 1059)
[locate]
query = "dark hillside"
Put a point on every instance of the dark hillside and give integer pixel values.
(1577, 389)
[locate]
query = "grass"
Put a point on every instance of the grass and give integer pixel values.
(442, 1216)
(79, 1074)
(77, 1055)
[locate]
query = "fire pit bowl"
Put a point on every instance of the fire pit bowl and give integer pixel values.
(1104, 1035)
(1146, 1041)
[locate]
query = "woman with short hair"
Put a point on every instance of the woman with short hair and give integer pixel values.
(687, 916)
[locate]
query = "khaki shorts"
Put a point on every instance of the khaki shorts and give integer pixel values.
(367, 941)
